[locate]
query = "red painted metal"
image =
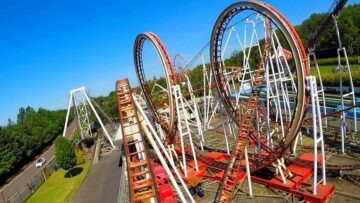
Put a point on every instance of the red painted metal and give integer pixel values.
(166, 195)
(160, 175)
(230, 178)
(301, 67)
(142, 186)
(194, 177)
(168, 127)
(231, 173)
(171, 126)
(297, 184)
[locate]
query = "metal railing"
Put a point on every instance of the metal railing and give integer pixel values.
(26, 190)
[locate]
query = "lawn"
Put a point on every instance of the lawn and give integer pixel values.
(59, 188)
(332, 79)
(329, 69)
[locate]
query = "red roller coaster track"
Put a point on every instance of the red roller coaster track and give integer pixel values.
(244, 117)
(169, 127)
(301, 66)
(229, 180)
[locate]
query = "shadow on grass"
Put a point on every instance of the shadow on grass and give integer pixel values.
(73, 172)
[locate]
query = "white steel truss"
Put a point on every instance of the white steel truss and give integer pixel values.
(80, 99)
(318, 138)
(183, 127)
(342, 50)
(156, 142)
(194, 110)
(321, 90)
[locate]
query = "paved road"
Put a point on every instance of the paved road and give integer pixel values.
(102, 181)
(30, 170)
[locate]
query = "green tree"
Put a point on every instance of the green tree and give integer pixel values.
(22, 140)
(79, 157)
(64, 153)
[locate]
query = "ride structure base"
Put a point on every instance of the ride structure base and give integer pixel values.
(297, 183)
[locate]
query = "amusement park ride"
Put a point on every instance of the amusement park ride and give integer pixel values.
(238, 124)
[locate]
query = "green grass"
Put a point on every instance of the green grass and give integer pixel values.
(58, 188)
(329, 69)
(331, 79)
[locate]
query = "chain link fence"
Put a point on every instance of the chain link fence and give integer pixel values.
(25, 191)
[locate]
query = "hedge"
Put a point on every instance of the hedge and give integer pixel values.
(334, 61)
(331, 79)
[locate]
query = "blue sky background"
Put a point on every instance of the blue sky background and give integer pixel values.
(50, 47)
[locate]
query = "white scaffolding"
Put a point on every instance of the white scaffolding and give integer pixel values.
(156, 142)
(194, 110)
(321, 90)
(342, 50)
(79, 98)
(317, 127)
(183, 127)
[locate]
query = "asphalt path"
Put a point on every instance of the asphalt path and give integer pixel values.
(30, 170)
(102, 181)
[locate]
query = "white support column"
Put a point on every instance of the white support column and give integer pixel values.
(223, 121)
(164, 151)
(161, 132)
(98, 117)
(318, 139)
(195, 112)
(343, 126)
(248, 172)
(205, 112)
(298, 137)
(81, 113)
(280, 168)
(281, 75)
(277, 97)
(267, 123)
(172, 152)
(161, 158)
(183, 130)
(79, 99)
(352, 92)
(207, 79)
(321, 83)
(67, 114)
(213, 112)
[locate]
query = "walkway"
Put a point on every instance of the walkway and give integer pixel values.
(102, 181)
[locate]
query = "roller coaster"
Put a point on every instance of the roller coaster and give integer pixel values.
(242, 124)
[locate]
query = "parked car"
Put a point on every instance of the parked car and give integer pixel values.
(40, 162)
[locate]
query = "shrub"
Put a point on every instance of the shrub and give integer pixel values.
(334, 61)
(79, 157)
(64, 153)
(331, 79)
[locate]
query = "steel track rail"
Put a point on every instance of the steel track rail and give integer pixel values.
(302, 70)
(142, 185)
(301, 66)
(168, 127)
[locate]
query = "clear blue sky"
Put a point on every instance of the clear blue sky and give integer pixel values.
(49, 47)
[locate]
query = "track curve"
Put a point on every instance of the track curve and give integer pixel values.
(168, 127)
(301, 66)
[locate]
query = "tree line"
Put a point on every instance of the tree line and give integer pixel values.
(349, 26)
(34, 130)
(326, 48)
(20, 142)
